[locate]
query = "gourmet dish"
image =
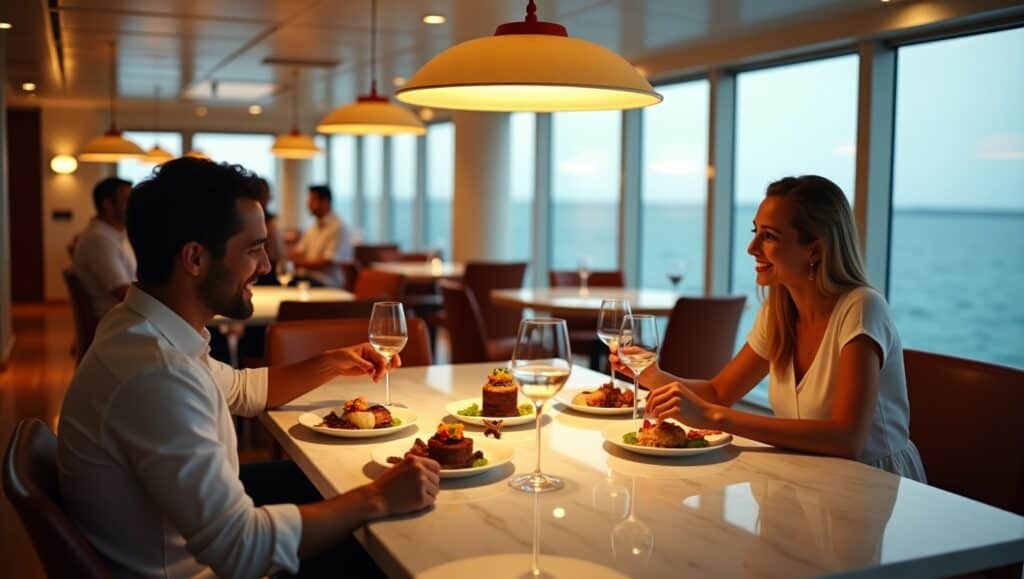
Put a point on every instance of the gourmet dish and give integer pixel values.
(358, 415)
(449, 446)
(500, 397)
(607, 396)
(668, 435)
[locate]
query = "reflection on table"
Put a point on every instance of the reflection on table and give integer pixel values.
(422, 272)
(564, 301)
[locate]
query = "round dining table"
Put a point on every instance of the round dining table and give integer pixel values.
(266, 299)
(571, 301)
(422, 271)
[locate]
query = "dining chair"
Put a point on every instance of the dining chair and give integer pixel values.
(82, 312)
(366, 254)
(291, 311)
(571, 278)
(349, 274)
(583, 329)
(465, 323)
(290, 342)
(480, 278)
(373, 284)
(700, 337)
(30, 483)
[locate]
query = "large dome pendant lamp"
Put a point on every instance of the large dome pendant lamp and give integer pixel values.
(295, 145)
(110, 147)
(528, 66)
(373, 113)
(157, 155)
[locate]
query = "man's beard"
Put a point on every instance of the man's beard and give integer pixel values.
(220, 295)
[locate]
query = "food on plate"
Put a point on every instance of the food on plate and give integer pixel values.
(668, 435)
(607, 396)
(358, 415)
(493, 428)
(449, 446)
(500, 394)
(475, 411)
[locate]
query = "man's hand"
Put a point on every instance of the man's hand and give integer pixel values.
(360, 360)
(407, 487)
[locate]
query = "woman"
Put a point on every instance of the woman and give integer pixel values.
(823, 335)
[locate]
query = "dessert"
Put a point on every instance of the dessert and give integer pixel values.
(500, 394)
(607, 396)
(358, 415)
(668, 435)
(449, 447)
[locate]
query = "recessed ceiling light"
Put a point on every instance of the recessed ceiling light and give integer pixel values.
(434, 19)
(255, 110)
(426, 114)
(28, 86)
(202, 111)
(6, 26)
(398, 81)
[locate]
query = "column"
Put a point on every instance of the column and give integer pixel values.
(291, 193)
(480, 204)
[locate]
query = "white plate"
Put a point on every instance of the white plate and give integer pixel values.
(454, 407)
(566, 396)
(496, 452)
(314, 417)
(614, 433)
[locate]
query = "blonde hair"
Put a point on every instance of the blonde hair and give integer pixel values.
(820, 212)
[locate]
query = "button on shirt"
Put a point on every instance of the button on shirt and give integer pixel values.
(328, 238)
(103, 260)
(147, 455)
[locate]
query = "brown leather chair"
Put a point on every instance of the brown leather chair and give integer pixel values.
(30, 482)
(289, 342)
(349, 274)
(82, 311)
(375, 285)
(366, 254)
(469, 341)
(700, 338)
(290, 311)
(480, 278)
(583, 329)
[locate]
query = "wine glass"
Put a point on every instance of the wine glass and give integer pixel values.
(285, 271)
(541, 363)
(609, 324)
(638, 349)
(632, 536)
(388, 335)
(675, 272)
(583, 271)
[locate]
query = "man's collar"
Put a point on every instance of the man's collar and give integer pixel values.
(182, 336)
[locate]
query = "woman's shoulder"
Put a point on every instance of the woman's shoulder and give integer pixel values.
(864, 297)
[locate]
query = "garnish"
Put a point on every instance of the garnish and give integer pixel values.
(479, 462)
(493, 428)
(356, 405)
(525, 409)
(499, 376)
(696, 443)
(471, 410)
(395, 421)
(630, 438)
(449, 432)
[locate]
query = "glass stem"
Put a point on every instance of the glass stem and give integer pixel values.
(387, 384)
(536, 536)
(611, 370)
(538, 409)
(636, 394)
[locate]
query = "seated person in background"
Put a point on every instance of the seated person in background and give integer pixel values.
(824, 337)
(147, 455)
(324, 244)
(101, 257)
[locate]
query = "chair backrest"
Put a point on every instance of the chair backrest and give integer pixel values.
(30, 482)
(290, 311)
(465, 324)
(366, 254)
(480, 278)
(372, 284)
(596, 279)
(289, 342)
(82, 311)
(700, 338)
(349, 274)
(967, 419)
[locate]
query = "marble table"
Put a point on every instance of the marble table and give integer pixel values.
(267, 299)
(422, 272)
(744, 511)
(566, 301)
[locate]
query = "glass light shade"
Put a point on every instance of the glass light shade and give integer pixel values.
(109, 147)
(372, 115)
(157, 155)
(528, 72)
(294, 145)
(63, 164)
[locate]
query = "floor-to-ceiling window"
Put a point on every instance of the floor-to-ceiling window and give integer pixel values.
(956, 266)
(440, 186)
(674, 197)
(343, 178)
(373, 185)
(523, 147)
(585, 189)
(403, 190)
(251, 151)
(135, 171)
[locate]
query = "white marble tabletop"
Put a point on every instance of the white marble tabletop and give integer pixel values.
(266, 299)
(420, 272)
(566, 301)
(744, 511)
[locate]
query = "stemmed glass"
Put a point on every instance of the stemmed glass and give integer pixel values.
(633, 535)
(638, 349)
(388, 336)
(675, 272)
(285, 271)
(541, 363)
(583, 271)
(609, 324)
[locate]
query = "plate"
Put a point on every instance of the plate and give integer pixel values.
(565, 397)
(614, 433)
(496, 452)
(454, 407)
(314, 417)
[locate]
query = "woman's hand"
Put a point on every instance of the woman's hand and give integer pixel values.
(674, 400)
(360, 360)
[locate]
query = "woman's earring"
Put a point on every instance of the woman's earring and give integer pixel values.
(811, 275)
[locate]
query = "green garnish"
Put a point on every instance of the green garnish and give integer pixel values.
(479, 462)
(630, 438)
(396, 421)
(525, 409)
(471, 410)
(696, 443)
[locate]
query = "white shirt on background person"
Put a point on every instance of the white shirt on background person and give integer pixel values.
(103, 260)
(328, 238)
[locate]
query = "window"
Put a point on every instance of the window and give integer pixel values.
(585, 189)
(440, 186)
(248, 150)
(343, 179)
(797, 119)
(373, 185)
(956, 257)
(136, 171)
(521, 185)
(403, 190)
(674, 193)
(318, 169)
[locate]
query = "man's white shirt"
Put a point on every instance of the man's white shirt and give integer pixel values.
(328, 238)
(147, 454)
(103, 260)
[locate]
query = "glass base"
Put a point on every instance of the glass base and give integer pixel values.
(536, 483)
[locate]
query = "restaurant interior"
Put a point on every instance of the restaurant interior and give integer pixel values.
(558, 215)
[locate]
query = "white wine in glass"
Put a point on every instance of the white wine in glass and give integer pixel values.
(541, 364)
(388, 335)
(609, 324)
(638, 349)
(285, 271)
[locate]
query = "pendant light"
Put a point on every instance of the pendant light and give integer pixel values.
(157, 154)
(528, 66)
(110, 147)
(295, 145)
(373, 113)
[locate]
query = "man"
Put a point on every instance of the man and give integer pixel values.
(147, 455)
(324, 244)
(102, 258)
